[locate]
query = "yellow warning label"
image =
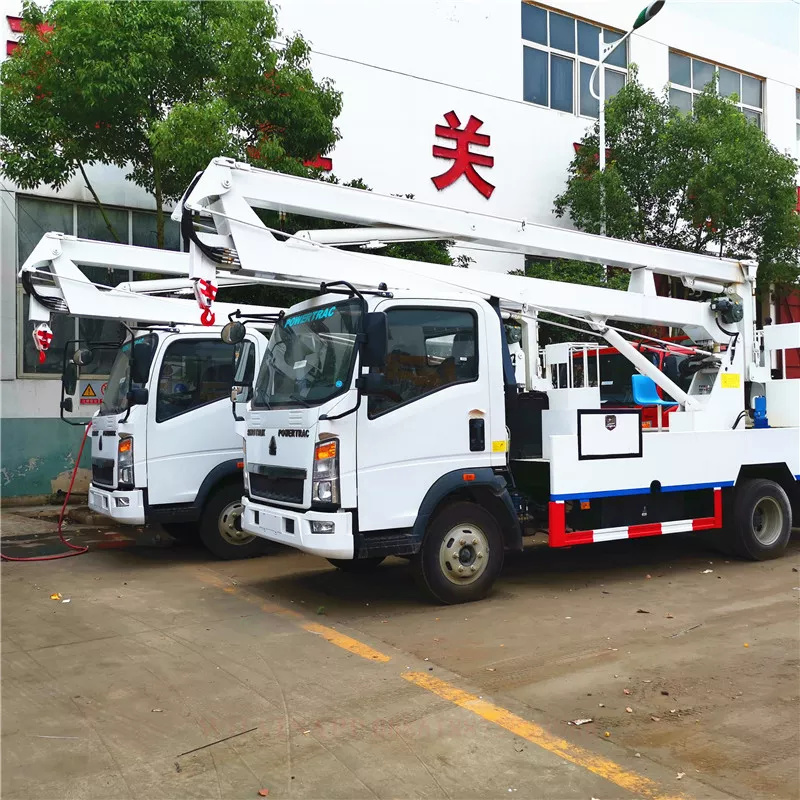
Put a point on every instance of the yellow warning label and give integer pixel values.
(88, 391)
(731, 380)
(499, 446)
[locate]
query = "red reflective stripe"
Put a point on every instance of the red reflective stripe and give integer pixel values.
(704, 524)
(556, 524)
(650, 529)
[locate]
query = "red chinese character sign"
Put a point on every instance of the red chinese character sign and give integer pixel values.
(464, 160)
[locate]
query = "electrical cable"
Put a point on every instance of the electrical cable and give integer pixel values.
(738, 419)
(76, 550)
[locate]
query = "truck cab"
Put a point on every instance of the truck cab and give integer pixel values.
(164, 448)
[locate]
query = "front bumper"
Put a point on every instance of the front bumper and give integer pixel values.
(294, 528)
(113, 504)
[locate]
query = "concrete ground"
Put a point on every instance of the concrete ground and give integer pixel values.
(168, 674)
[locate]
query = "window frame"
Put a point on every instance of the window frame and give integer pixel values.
(576, 58)
(473, 313)
(21, 321)
(716, 67)
(154, 387)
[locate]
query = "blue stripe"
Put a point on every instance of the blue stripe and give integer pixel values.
(686, 487)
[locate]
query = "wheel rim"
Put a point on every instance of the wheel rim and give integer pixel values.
(229, 525)
(767, 521)
(464, 554)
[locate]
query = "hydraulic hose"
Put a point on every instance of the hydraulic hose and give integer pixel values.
(74, 550)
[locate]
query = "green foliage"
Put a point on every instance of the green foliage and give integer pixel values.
(709, 181)
(159, 88)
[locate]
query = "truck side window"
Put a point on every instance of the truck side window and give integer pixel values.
(194, 372)
(429, 349)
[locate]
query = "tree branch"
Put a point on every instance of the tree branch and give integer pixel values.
(99, 204)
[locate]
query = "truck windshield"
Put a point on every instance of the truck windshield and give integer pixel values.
(120, 381)
(310, 356)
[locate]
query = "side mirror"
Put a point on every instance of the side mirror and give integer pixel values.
(66, 405)
(376, 340)
(83, 357)
(240, 393)
(375, 384)
(233, 333)
(137, 397)
(69, 378)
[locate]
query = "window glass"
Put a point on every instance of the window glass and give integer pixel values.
(63, 328)
(37, 217)
(729, 83)
(429, 349)
(130, 370)
(702, 73)
(194, 372)
(797, 103)
(753, 116)
(91, 224)
(751, 91)
(562, 32)
(619, 58)
(144, 233)
(588, 40)
(561, 83)
(534, 24)
(680, 69)
(614, 82)
(589, 106)
(681, 100)
(534, 76)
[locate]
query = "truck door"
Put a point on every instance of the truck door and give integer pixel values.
(189, 426)
(437, 370)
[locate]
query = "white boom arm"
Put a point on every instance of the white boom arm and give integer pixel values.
(56, 284)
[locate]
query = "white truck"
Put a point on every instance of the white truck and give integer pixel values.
(386, 418)
(163, 444)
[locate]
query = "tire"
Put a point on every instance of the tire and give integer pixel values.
(461, 554)
(761, 521)
(220, 528)
(182, 531)
(357, 566)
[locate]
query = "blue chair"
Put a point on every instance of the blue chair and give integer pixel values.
(645, 394)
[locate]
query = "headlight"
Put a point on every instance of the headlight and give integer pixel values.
(325, 478)
(125, 462)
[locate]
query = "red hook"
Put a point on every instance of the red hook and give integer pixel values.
(207, 317)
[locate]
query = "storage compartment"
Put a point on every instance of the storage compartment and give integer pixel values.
(524, 420)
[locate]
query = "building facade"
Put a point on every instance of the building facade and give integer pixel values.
(475, 104)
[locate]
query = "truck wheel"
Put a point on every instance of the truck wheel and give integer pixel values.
(762, 520)
(357, 566)
(221, 529)
(181, 531)
(461, 554)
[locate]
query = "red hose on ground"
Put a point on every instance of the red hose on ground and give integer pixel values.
(76, 550)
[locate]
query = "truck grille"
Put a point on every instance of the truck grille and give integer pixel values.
(103, 471)
(282, 484)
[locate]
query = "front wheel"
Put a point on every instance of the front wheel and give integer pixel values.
(762, 520)
(461, 554)
(221, 526)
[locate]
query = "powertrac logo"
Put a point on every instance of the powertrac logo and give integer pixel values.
(299, 319)
(293, 433)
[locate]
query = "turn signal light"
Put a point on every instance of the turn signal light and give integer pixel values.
(325, 450)
(468, 476)
(125, 445)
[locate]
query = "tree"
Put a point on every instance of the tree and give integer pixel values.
(708, 181)
(159, 88)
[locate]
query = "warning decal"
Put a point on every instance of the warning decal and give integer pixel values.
(91, 392)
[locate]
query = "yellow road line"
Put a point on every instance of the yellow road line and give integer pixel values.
(345, 642)
(605, 768)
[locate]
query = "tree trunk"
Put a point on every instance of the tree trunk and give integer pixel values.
(159, 195)
(99, 204)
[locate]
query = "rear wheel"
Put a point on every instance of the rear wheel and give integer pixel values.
(221, 527)
(461, 554)
(357, 566)
(761, 520)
